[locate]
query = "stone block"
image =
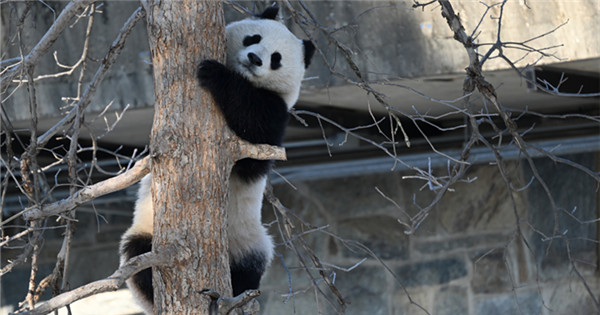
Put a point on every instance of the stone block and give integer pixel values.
(432, 272)
(304, 301)
(451, 300)
(283, 273)
(457, 243)
(416, 300)
(381, 234)
(570, 296)
(490, 274)
(481, 206)
(85, 265)
(277, 297)
(356, 196)
(575, 192)
(525, 303)
(302, 209)
(365, 289)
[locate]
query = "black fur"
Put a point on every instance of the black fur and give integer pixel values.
(256, 115)
(309, 51)
(134, 245)
(275, 61)
(251, 40)
(269, 13)
(254, 59)
(246, 273)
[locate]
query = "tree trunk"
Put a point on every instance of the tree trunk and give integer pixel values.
(191, 165)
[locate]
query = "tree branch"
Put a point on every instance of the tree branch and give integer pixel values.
(114, 51)
(44, 44)
(166, 255)
(223, 306)
(132, 176)
(246, 149)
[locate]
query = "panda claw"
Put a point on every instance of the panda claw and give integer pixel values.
(207, 70)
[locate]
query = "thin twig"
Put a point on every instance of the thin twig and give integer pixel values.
(141, 168)
(47, 40)
(113, 52)
(165, 256)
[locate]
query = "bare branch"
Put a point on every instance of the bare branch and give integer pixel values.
(246, 149)
(417, 4)
(139, 170)
(164, 256)
(223, 305)
(109, 59)
(47, 40)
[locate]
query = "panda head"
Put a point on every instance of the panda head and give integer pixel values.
(266, 53)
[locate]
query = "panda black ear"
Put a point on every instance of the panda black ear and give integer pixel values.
(270, 13)
(309, 51)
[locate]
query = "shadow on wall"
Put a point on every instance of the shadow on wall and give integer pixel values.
(384, 40)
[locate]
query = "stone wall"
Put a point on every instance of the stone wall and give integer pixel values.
(467, 257)
(390, 40)
(128, 82)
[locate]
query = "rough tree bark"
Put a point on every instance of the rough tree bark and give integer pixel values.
(191, 155)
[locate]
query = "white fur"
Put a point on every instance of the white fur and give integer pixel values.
(276, 37)
(143, 214)
(139, 297)
(244, 225)
(143, 222)
(244, 229)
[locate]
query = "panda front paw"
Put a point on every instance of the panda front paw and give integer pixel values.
(208, 70)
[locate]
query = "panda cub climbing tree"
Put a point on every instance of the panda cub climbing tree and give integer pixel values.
(255, 89)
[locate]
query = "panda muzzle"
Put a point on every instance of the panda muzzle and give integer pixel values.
(254, 59)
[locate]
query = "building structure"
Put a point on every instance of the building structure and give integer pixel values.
(467, 257)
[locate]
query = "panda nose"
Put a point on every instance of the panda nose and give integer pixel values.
(254, 59)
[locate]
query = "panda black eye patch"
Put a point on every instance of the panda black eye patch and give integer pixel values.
(275, 61)
(251, 40)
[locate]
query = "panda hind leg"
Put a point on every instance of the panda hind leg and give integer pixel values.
(141, 283)
(246, 272)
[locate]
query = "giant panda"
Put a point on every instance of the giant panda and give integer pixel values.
(255, 89)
